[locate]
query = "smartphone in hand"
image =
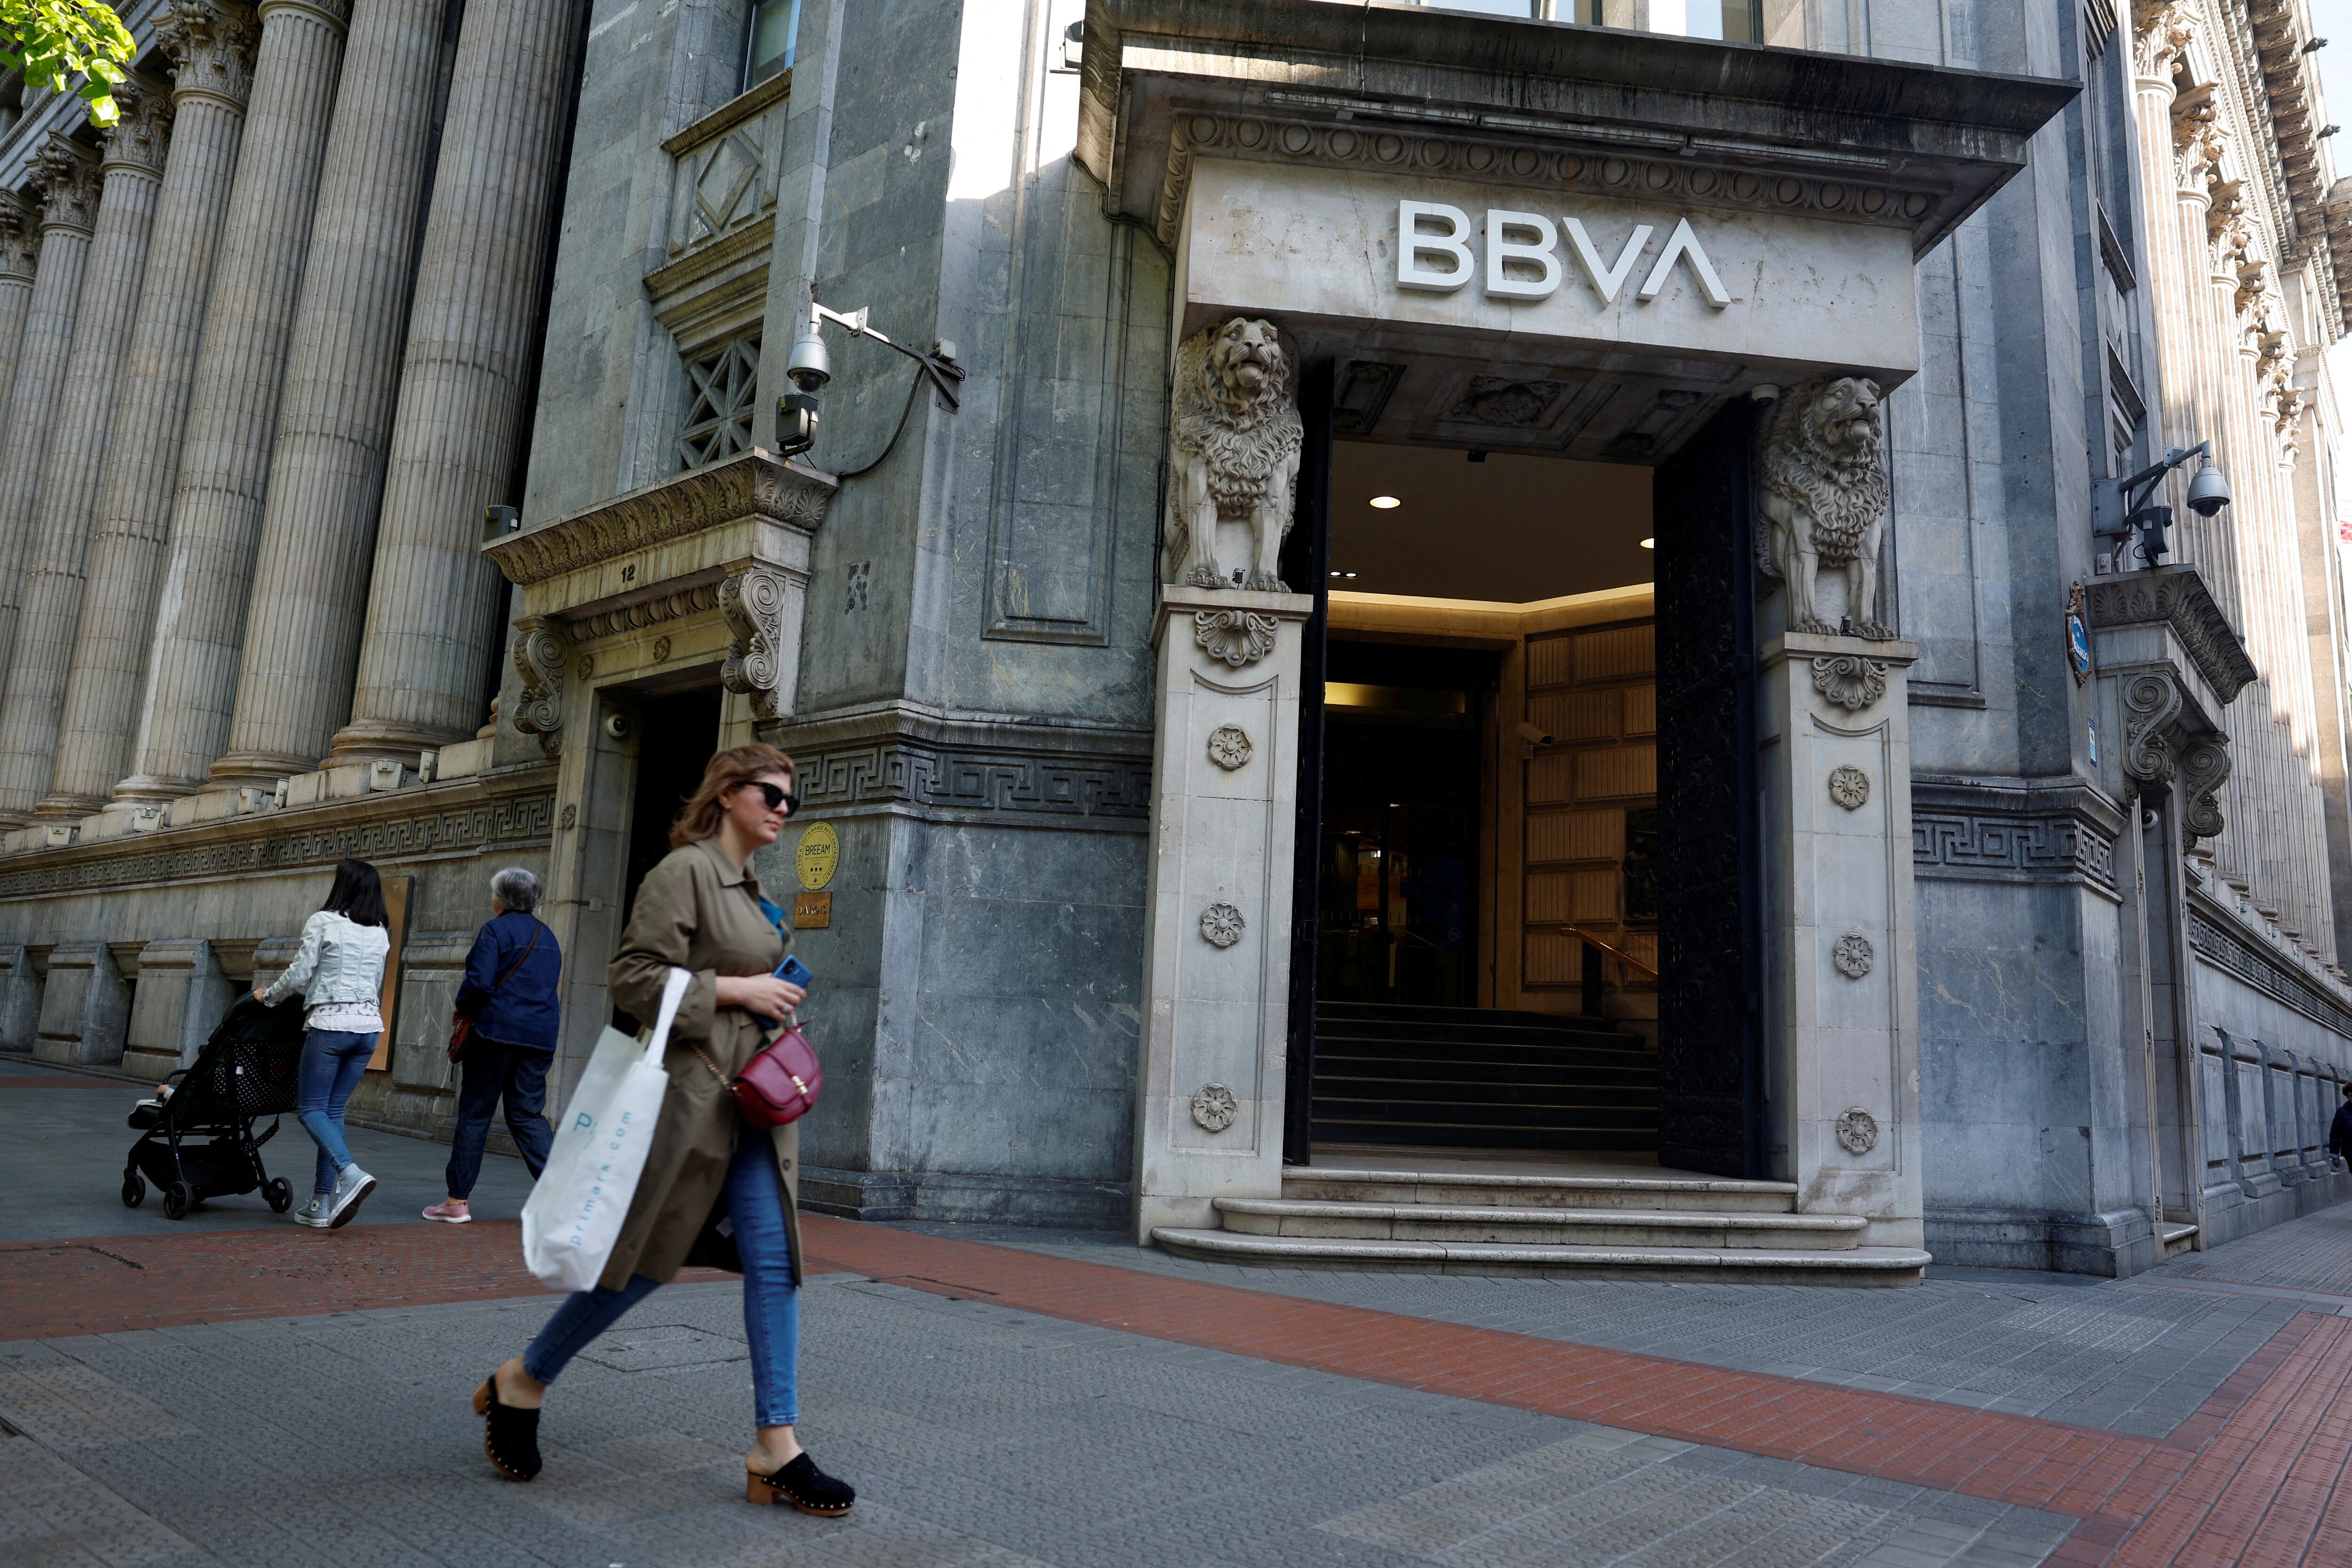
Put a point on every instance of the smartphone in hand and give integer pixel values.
(794, 972)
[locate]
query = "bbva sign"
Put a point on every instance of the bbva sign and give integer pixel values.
(1524, 257)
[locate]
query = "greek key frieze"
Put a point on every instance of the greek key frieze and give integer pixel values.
(1109, 791)
(2225, 950)
(2033, 846)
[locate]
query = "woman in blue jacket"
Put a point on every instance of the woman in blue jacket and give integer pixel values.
(510, 995)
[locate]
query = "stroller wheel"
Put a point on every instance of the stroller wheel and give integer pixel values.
(177, 1200)
(134, 1190)
(280, 1193)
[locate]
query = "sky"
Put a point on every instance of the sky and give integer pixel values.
(2332, 20)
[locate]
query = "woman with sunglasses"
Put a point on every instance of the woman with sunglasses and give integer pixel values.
(700, 910)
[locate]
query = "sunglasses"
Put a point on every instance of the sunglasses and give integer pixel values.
(789, 799)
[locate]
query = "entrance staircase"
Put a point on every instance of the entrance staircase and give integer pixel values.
(1431, 1212)
(1478, 1078)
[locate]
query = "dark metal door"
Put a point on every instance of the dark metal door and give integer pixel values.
(1305, 567)
(1711, 1066)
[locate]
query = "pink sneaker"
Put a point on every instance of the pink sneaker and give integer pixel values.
(449, 1211)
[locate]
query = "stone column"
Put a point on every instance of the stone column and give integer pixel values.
(68, 176)
(233, 410)
(432, 598)
(212, 45)
(1842, 966)
(326, 478)
(1209, 1106)
(20, 249)
(50, 592)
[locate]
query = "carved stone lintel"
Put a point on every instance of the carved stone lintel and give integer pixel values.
(210, 46)
(1850, 680)
(754, 486)
(752, 601)
(541, 655)
(1237, 637)
(68, 175)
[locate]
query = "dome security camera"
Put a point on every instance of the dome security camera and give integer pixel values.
(2209, 492)
(811, 366)
(618, 725)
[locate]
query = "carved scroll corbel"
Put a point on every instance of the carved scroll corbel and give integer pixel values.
(752, 601)
(539, 654)
(2204, 768)
(2152, 705)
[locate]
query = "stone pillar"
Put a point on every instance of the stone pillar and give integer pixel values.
(85, 1007)
(67, 178)
(212, 45)
(20, 249)
(1842, 966)
(1209, 1106)
(326, 478)
(433, 599)
(175, 1006)
(233, 410)
(50, 592)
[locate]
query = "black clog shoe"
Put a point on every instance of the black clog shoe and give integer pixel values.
(510, 1435)
(802, 1485)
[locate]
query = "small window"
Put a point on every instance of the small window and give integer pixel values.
(774, 25)
(725, 388)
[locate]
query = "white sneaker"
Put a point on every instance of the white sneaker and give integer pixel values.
(314, 1213)
(351, 1189)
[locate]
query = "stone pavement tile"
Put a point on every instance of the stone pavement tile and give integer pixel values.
(61, 1167)
(53, 1516)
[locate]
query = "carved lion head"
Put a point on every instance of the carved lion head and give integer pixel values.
(1246, 367)
(1843, 419)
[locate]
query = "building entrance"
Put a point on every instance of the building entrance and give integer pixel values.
(1485, 898)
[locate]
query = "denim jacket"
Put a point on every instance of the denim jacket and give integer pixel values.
(339, 961)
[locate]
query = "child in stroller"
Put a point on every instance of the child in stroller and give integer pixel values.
(246, 1071)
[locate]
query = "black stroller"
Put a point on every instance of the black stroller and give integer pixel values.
(246, 1071)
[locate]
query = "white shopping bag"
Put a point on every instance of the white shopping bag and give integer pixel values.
(574, 1213)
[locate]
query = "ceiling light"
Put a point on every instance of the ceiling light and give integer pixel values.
(1649, 544)
(1347, 574)
(1386, 502)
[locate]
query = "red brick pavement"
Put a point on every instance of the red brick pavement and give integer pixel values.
(60, 1080)
(2255, 1477)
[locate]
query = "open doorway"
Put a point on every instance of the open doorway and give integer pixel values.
(1486, 968)
(676, 733)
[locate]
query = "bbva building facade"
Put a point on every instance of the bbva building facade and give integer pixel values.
(1458, 582)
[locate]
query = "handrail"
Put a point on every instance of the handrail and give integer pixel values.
(1618, 952)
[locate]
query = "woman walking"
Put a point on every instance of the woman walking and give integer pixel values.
(700, 910)
(509, 1004)
(338, 969)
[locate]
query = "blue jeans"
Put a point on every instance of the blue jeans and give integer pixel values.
(492, 1070)
(772, 1313)
(332, 1061)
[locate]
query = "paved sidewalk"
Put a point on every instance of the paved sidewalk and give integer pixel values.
(176, 1395)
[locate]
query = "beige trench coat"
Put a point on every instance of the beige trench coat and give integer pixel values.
(695, 911)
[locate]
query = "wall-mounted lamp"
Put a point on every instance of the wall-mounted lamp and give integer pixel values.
(810, 368)
(2209, 492)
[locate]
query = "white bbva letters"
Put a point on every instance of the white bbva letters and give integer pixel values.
(1542, 252)
(1413, 244)
(1519, 243)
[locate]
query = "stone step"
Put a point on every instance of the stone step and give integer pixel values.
(2179, 1237)
(1559, 1133)
(1614, 1227)
(1649, 1190)
(1732, 1265)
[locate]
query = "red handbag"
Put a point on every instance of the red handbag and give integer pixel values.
(780, 1084)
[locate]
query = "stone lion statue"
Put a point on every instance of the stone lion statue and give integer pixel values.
(1233, 441)
(1824, 498)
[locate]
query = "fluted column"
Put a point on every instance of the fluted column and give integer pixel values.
(232, 411)
(212, 45)
(334, 420)
(51, 595)
(68, 175)
(432, 600)
(20, 246)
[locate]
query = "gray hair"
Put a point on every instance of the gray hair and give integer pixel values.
(517, 889)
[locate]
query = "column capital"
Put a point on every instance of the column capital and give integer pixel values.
(2161, 33)
(68, 175)
(211, 45)
(335, 14)
(139, 138)
(20, 236)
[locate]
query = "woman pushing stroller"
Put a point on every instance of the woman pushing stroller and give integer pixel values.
(338, 969)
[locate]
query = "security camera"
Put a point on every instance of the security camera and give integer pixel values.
(810, 366)
(1531, 735)
(2209, 492)
(618, 725)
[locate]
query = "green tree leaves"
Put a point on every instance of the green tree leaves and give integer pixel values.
(51, 41)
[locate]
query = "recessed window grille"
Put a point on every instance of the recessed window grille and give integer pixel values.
(724, 388)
